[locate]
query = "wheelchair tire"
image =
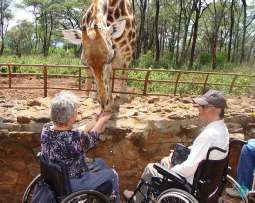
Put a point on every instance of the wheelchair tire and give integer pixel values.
(27, 197)
(87, 196)
(231, 183)
(176, 195)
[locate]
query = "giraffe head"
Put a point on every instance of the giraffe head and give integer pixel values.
(98, 53)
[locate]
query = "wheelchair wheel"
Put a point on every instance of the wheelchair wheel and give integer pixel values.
(86, 196)
(176, 195)
(27, 197)
(231, 183)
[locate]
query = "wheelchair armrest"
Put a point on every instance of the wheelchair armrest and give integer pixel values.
(170, 174)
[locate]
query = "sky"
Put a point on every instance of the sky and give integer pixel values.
(19, 14)
(24, 14)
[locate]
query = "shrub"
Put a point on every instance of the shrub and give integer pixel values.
(205, 58)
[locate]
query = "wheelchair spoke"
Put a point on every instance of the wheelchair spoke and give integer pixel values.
(85, 196)
(175, 196)
(231, 183)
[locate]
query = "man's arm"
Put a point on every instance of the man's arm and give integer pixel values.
(198, 153)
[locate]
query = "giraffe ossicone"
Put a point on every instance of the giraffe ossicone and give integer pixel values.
(108, 37)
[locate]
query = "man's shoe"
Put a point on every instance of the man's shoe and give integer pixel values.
(232, 192)
(128, 194)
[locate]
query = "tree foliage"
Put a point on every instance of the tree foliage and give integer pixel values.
(179, 33)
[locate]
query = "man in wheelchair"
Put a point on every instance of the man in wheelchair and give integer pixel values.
(211, 107)
(63, 145)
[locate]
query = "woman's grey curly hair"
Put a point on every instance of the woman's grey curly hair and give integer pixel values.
(63, 106)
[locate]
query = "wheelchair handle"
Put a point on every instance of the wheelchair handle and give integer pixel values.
(214, 148)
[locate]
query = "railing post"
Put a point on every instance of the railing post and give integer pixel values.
(176, 82)
(113, 78)
(10, 76)
(45, 77)
(79, 78)
(206, 80)
(232, 83)
(146, 82)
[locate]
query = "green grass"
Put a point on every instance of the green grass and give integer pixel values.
(153, 87)
(57, 59)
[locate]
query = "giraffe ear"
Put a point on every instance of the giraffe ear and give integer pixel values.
(72, 35)
(117, 29)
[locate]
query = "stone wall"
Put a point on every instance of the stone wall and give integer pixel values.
(141, 131)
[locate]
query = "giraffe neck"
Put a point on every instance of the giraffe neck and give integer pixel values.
(99, 12)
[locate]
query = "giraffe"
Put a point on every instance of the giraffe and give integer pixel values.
(108, 37)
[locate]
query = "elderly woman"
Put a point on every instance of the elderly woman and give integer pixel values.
(63, 144)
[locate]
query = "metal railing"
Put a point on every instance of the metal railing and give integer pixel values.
(146, 81)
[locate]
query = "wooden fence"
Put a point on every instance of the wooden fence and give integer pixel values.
(146, 81)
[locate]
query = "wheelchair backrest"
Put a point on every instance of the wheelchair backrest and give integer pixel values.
(209, 178)
(235, 148)
(55, 176)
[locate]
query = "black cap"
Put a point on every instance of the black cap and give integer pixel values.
(212, 97)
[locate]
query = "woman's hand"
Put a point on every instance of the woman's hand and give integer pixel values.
(101, 121)
(104, 117)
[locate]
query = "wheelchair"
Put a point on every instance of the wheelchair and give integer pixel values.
(57, 178)
(210, 180)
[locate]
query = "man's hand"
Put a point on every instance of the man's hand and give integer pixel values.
(171, 154)
(170, 158)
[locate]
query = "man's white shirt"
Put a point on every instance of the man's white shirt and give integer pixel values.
(215, 134)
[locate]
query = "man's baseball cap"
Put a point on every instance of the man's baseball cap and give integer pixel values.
(212, 97)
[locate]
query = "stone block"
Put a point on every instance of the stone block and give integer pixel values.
(235, 127)
(250, 128)
(22, 119)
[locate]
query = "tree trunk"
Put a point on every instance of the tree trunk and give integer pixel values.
(157, 56)
(236, 41)
(50, 33)
(143, 8)
(250, 50)
(221, 41)
(172, 42)
(232, 21)
(183, 52)
(244, 30)
(2, 28)
(45, 22)
(178, 34)
(36, 37)
(192, 53)
(213, 51)
(189, 42)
